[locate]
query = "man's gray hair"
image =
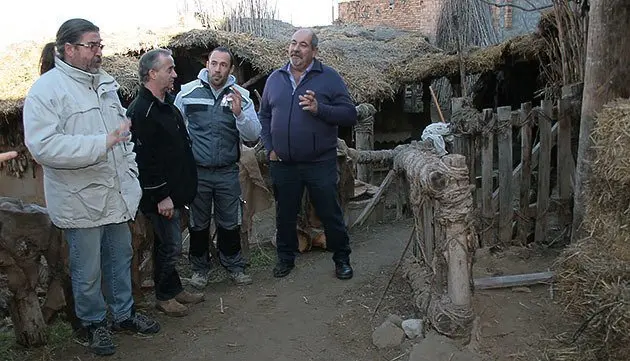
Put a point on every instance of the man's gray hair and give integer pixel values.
(314, 40)
(150, 60)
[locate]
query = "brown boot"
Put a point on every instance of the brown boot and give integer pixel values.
(189, 298)
(172, 308)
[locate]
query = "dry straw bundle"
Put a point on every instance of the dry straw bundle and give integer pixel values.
(594, 274)
(612, 140)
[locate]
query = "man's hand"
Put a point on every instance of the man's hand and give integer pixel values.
(166, 208)
(308, 101)
(121, 134)
(274, 157)
(8, 155)
(237, 101)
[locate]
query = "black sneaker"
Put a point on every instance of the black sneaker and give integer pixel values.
(138, 323)
(100, 340)
(282, 269)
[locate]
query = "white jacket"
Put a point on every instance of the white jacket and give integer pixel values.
(67, 116)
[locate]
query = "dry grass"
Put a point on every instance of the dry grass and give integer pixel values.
(594, 273)
(611, 137)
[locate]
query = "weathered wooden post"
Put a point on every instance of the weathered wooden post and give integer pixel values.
(443, 182)
(364, 138)
(26, 234)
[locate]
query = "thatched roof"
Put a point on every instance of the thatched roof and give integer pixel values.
(375, 62)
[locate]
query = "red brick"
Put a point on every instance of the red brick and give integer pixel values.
(418, 15)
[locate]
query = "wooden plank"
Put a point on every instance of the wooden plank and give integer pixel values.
(535, 151)
(544, 170)
(427, 229)
(460, 140)
(513, 280)
(487, 184)
(565, 158)
(374, 201)
(526, 163)
(504, 140)
(472, 160)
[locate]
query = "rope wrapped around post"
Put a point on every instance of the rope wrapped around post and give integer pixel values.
(444, 181)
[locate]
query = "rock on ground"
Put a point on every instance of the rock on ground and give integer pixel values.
(388, 335)
(437, 348)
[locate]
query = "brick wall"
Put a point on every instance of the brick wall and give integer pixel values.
(420, 15)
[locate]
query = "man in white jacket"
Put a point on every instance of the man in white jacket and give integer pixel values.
(76, 128)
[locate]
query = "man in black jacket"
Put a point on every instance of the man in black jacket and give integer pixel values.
(168, 174)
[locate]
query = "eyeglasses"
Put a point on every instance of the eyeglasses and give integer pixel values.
(91, 46)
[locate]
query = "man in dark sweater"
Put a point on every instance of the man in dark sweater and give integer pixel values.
(168, 174)
(303, 104)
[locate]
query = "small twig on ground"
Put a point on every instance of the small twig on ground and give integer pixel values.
(398, 357)
(221, 300)
(413, 231)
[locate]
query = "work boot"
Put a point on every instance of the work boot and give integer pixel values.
(186, 297)
(172, 308)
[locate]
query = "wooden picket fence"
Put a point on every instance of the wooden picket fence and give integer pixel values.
(503, 204)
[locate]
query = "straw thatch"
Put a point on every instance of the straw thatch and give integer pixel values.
(594, 273)
(375, 62)
(612, 141)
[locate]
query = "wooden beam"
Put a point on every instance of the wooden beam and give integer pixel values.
(513, 280)
(253, 80)
(374, 201)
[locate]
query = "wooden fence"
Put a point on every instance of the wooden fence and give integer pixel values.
(505, 172)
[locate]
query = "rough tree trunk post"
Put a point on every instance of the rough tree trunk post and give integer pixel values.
(606, 77)
(26, 234)
(364, 137)
(445, 180)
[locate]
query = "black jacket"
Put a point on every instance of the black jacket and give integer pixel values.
(163, 151)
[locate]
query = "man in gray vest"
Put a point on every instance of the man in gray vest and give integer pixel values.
(218, 114)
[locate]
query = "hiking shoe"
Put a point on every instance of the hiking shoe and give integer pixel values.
(138, 323)
(100, 340)
(189, 297)
(199, 280)
(240, 278)
(172, 308)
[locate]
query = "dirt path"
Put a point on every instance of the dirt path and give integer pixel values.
(312, 316)
(309, 315)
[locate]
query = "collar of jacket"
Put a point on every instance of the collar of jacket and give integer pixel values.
(317, 67)
(95, 80)
(148, 95)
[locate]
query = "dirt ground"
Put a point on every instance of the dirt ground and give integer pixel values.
(310, 315)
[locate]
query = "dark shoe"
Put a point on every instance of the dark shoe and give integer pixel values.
(100, 340)
(343, 270)
(282, 269)
(138, 323)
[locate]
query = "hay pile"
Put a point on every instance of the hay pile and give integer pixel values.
(594, 274)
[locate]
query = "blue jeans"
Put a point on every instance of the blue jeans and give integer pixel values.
(105, 249)
(167, 249)
(320, 178)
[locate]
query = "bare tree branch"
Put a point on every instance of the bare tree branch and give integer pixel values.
(533, 8)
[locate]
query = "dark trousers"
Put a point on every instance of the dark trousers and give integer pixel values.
(167, 249)
(320, 179)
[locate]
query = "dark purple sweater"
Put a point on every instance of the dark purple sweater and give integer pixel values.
(298, 135)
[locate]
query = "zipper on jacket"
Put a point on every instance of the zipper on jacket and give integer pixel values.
(100, 106)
